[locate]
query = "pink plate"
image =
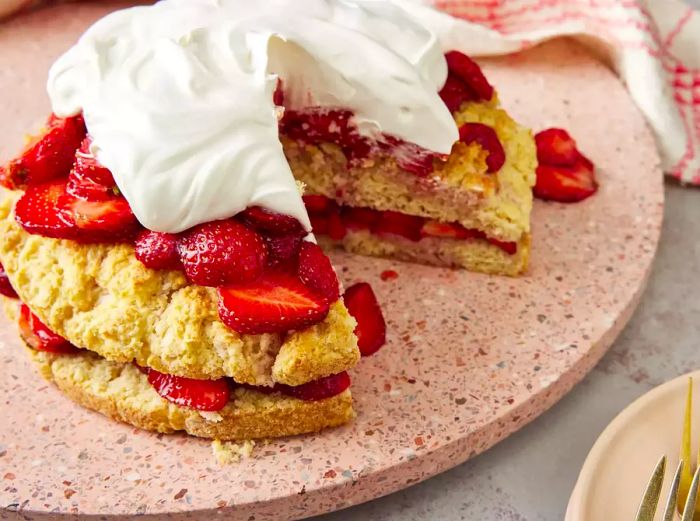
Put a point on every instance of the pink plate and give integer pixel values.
(470, 358)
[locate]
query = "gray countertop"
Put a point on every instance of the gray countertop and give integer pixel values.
(530, 475)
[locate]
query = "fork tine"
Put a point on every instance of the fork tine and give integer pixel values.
(689, 510)
(670, 510)
(647, 508)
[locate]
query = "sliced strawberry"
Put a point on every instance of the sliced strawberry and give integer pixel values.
(278, 94)
(361, 218)
(271, 223)
(202, 395)
(446, 230)
(566, 185)
(37, 211)
(470, 73)
(315, 270)
(89, 179)
(318, 203)
(555, 147)
(319, 224)
(318, 389)
(455, 92)
(336, 227)
(222, 252)
(99, 221)
(39, 337)
(408, 226)
(283, 249)
(363, 306)
(487, 138)
(48, 156)
(274, 303)
(511, 248)
(157, 250)
(6, 288)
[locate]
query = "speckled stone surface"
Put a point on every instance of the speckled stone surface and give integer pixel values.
(470, 358)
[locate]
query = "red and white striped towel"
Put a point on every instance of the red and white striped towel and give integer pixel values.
(654, 45)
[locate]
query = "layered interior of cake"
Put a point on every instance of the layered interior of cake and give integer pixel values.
(470, 209)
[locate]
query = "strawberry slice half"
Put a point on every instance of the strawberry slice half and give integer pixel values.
(89, 179)
(98, 221)
(315, 270)
(48, 156)
(39, 337)
(447, 230)
(467, 70)
(317, 203)
(157, 250)
(283, 249)
(271, 223)
(6, 288)
(566, 184)
(202, 395)
(487, 138)
(556, 147)
(395, 223)
(318, 389)
(37, 211)
(274, 303)
(362, 304)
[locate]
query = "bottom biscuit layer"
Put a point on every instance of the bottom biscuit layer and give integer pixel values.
(122, 392)
(473, 255)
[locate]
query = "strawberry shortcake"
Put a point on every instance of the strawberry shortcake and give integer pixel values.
(159, 237)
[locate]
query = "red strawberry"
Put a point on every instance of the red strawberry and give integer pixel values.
(319, 224)
(555, 147)
(566, 185)
(37, 211)
(89, 179)
(99, 221)
(48, 156)
(39, 337)
(446, 230)
(455, 92)
(408, 226)
(283, 249)
(470, 73)
(336, 227)
(318, 389)
(222, 252)
(5, 285)
(157, 250)
(278, 94)
(362, 218)
(511, 248)
(315, 270)
(202, 395)
(363, 306)
(271, 223)
(487, 138)
(274, 303)
(318, 203)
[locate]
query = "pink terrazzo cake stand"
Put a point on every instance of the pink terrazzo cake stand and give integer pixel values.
(470, 358)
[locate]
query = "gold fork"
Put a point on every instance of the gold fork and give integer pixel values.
(684, 488)
(686, 473)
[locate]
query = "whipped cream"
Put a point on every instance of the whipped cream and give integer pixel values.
(177, 96)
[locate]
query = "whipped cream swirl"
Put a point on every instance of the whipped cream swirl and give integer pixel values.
(178, 96)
